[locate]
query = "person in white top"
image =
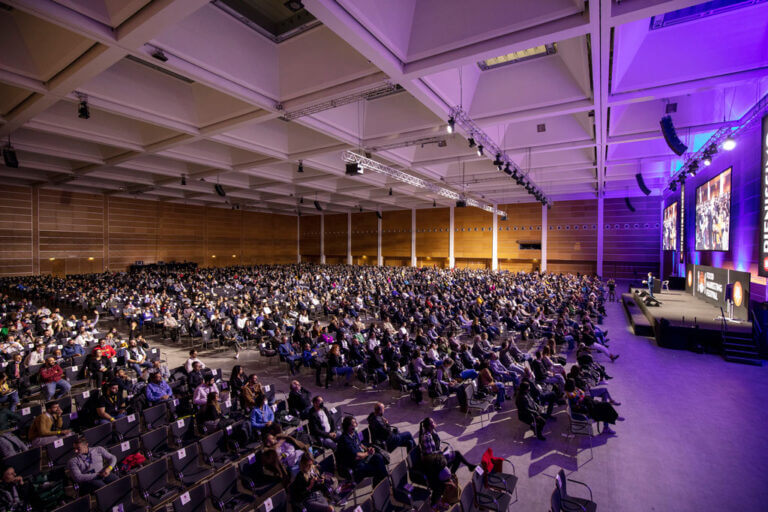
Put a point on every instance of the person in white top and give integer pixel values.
(201, 392)
(192, 359)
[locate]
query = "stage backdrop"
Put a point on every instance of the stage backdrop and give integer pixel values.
(710, 283)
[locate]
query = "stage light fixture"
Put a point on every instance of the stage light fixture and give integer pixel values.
(183, 180)
(451, 125)
(471, 141)
(160, 55)
(354, 169)
(480, 150)
(83, 112)
(390, 190)
(497, 161)
(434, 203)
(707, 161)
(294, 5)
(507, 169)
(673, 185)
(461, 203)
(301, 167)
(9, 156)
(729, 144)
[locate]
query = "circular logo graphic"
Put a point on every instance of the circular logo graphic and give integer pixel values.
(765, 264)
(738, 294)
(690, 278)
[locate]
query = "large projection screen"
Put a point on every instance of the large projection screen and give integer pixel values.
(713, 213)
(670, 227)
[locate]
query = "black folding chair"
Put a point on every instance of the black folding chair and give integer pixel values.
(74, 374)
(277, 502)
(83, 397)
(224, 493)
(65, 403)
(192, 500)
(117, 494)
(155, 443)
(79, 505)
(26, 463)
(406, 492)
(127, 427)
(187, 467)
(382, 498)
(27, 415)
(488, 497)
(154, 484)
(253, 478)
(123, 450)
(100, 435)
(60, 451)
(156, 416)
(183, 432)
(213, 448)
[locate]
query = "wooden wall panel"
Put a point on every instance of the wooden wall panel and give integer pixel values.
(631, 240)
(432, 236)
(473, 236)
(181, 233)
(71, 228)
(396, 234)
(523, 224)
(224, 234)
(572, 236)
(269, 238)
(365, 228)
(132, 232)
(336, 235)
(16, 231)
(310, 236)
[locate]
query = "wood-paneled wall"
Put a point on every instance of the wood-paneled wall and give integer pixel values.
(396, 234)
(310, 237)
(523, 225)
(365, 237)
(432, 236)
(336, 235)
(572, 236)
(53, 231)
(473, 234)
(631, 241)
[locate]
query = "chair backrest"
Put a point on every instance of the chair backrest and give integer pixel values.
(155, 440)
(65, 403)
(183, 428)
(467, 498)
(399, 475)
(561, 482)
(81, 398)
(155, 416)
(116, 493)
(154, 476)
(183, 457)
(191, 500)
(153, 354)
(478, 480)
(275, 503)
(28, 414)
(100, 435)
(555, 501)
(380, 495)
(269, 392)
(469, 391)
(128, 426)
(124, 449)
(211, 444)
(26, 463)
(222, 482)
(60, 451)
(79, 505)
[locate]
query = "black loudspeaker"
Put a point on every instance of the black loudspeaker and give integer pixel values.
(317, 206)
(641, 184)
(378, 215)
(10, 158)
(650, 301)
(354, 169)
(670, 135)
(219, 190)
(629, 205)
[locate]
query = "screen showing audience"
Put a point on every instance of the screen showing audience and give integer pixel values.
(713, 213)
(670, 227)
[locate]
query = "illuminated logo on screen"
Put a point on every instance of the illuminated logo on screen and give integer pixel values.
(690, 278)
(738, 294)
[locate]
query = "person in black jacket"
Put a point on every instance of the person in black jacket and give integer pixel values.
(385, 434)
(322, 427)
(308, 490)
(362, 460)
(528, 410)
(299, 400)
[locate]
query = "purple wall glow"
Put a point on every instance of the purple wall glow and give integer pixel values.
(745, 211)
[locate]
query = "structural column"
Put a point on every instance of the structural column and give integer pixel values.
(379, 256)
(322, 238)
(349, 238)
(451, 259)
(544, 230)
(413, 237)
(600, 226)
(495, 238)
(661, 244)
(298, 239)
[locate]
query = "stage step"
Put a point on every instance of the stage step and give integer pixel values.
(741, 348)
(744, 360)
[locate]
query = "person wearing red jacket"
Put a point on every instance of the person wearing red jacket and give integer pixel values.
(51, 377)
(104, 349)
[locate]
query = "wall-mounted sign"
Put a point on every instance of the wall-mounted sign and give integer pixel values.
(762, 266)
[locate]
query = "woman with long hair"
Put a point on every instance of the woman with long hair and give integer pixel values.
(581, 403)
(336, 366)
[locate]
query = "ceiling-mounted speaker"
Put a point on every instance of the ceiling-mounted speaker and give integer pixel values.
(9, 157)
(378, 215)
(641, 184)
(317, 206)
(461, 203)
(629, 205)
(219, 190)
(670, 135)
(354, 169)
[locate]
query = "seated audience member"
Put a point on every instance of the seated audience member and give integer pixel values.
(385, 434)
(250, 391)
(35, 357)
(91, 467)
(46, 428)
(486, 382)
(110, 405)
(307, 491)
(210, 416)
(582, 382)
(263, 417)
(192, 359)
(100, 367)
(7, 393)
(201, 391)
(288, 353)
(299, 400)
(429, 444)
(52, 379)
(103, 349)
(158, 390)
(336, 366)
(237, 380)
(285, 450)
(161, 368)
(136, 358)
(195, 377)
(352, 455)
(14, 492)
(543, 375)
(581, 403)
(72, 349)
(528, 411)
(322, 426)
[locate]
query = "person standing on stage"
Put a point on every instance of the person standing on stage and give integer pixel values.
(650, 284)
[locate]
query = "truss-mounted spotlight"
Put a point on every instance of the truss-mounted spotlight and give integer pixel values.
(693, 167)
(390, 190)
(480, 150)
(301, 200)
(451, 125)
(507, 169)
(673, 185)
(83, 112)
(301, 167)
(729, 144)
(9, 156)
(183, 180)
(471, 141)
(294, 5)
(707, 161)
(159, 55)
(497, 161)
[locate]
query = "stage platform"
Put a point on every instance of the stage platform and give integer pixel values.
(681, 321)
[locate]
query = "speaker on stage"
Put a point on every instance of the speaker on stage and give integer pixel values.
(729, 292)
(650, 301)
